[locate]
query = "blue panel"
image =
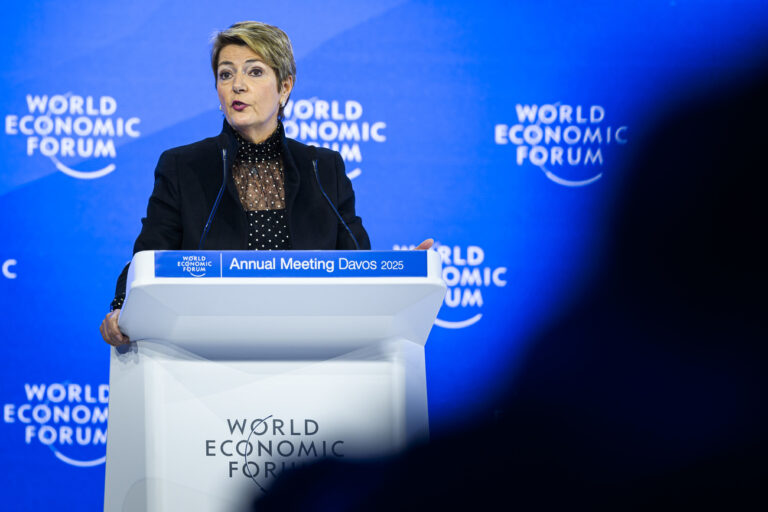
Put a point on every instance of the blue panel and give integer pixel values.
(197, 264)
(188, 264)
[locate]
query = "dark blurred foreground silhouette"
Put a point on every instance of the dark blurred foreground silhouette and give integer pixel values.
(651, 390)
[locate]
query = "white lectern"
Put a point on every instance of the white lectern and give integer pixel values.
(244, 364)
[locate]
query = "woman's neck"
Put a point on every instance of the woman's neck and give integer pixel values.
(258, 135)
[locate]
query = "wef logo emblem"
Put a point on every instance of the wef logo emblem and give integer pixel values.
(567, 143)
(70, 129)
(70, 419)
(467, 274)
(338, 125)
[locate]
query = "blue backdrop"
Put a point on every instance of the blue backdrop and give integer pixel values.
(501, 129)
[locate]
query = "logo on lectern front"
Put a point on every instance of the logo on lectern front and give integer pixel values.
(262, 448)
(70, 419)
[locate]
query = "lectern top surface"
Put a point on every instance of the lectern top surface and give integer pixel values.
(282, 299)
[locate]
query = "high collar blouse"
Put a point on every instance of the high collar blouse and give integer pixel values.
(259, 175)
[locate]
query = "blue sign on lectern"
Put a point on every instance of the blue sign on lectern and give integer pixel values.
(290, 264)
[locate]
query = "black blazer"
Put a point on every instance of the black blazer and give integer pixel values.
(188, 179)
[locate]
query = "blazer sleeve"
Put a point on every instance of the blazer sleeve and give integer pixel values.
(161, 228)
(346, 207)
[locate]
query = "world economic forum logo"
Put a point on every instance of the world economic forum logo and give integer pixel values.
(69, 129)
(468, 274)
(195, 265)
(69, 419)
(7, 267)
(567, 143)
(338, 125)
(261, 449)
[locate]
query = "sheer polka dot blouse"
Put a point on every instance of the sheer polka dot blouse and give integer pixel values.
(259, 174)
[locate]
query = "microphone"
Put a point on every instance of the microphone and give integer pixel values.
(317, 178)
(218, 200)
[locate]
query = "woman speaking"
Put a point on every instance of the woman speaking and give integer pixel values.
(249, 188)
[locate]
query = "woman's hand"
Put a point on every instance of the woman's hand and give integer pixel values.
(426, 244)
(110, 331)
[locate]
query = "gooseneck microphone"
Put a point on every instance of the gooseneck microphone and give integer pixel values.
(218, 200)
(317, 178)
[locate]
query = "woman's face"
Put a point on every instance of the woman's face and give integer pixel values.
(248, 92)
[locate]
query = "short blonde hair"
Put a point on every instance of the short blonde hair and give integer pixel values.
(268, 42)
